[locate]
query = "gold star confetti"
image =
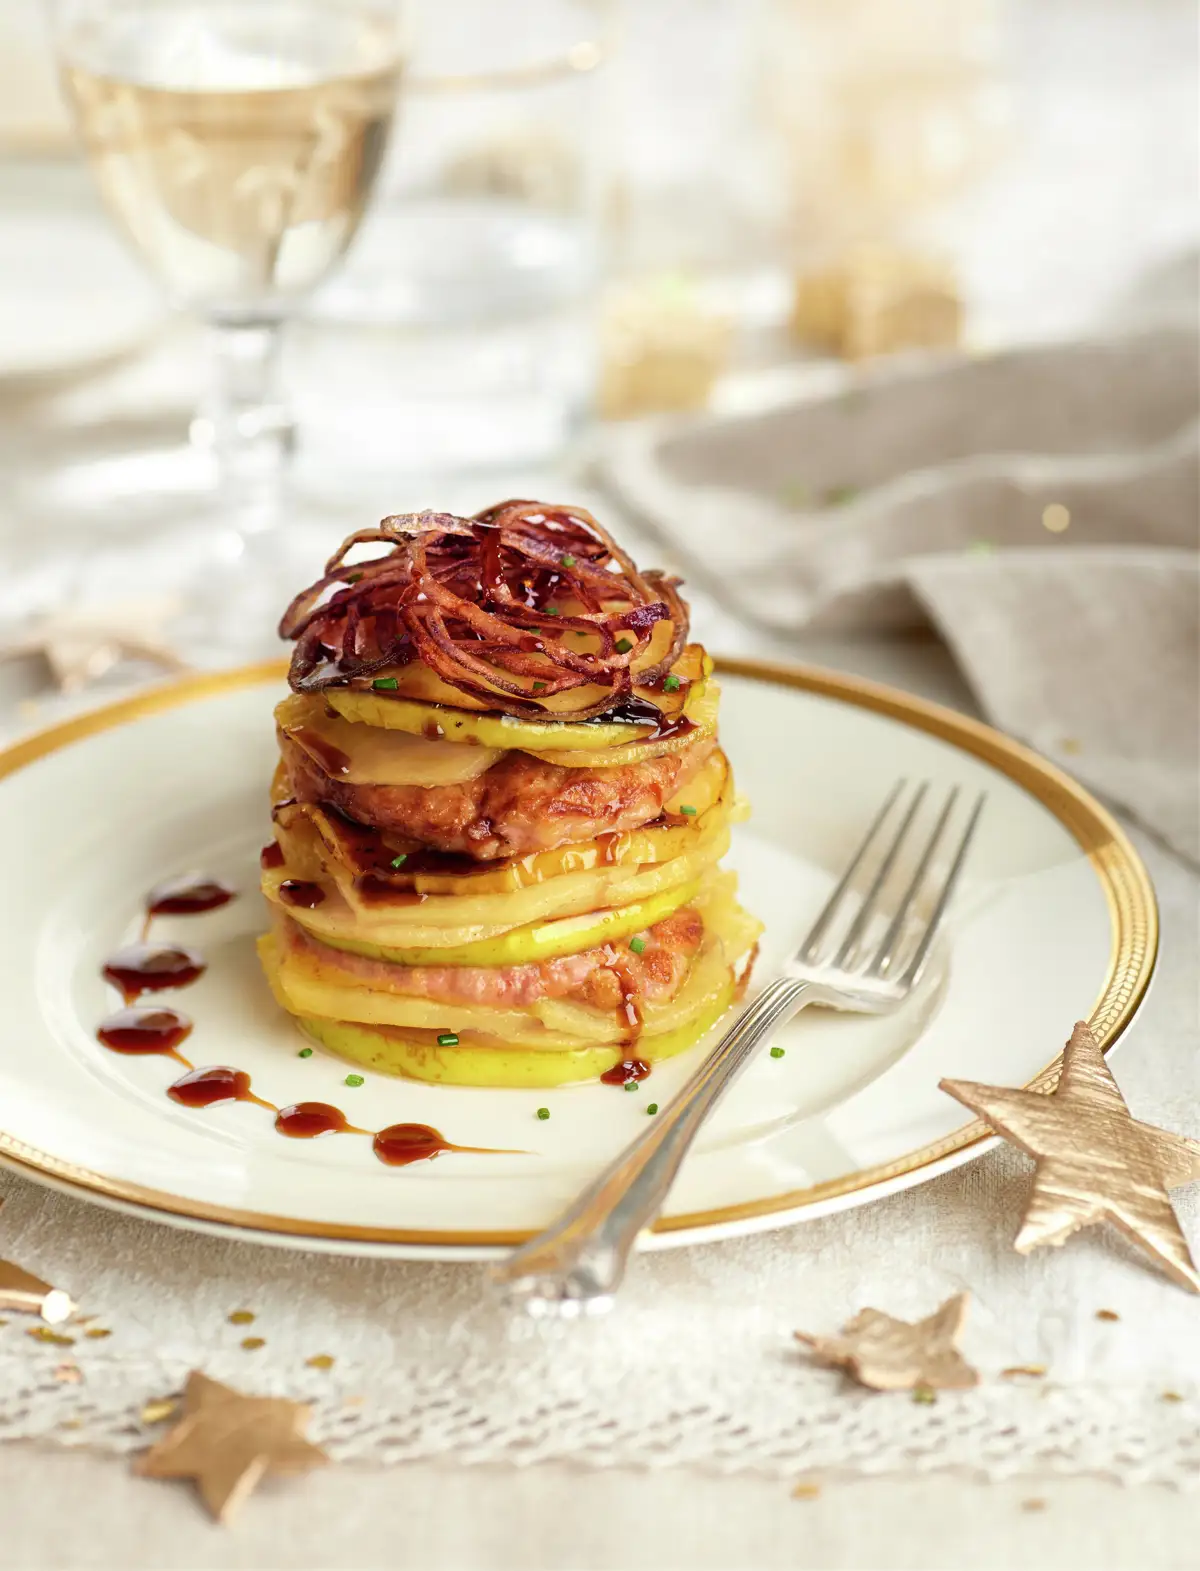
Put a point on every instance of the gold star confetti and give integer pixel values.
(81, 644)
(19, 1289)
(46, 1334)
(227, 1442)
(1095, 1161)
(893, 1355)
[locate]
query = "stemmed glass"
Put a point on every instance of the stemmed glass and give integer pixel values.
(236, 144)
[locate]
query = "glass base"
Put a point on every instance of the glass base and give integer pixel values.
(109, 521)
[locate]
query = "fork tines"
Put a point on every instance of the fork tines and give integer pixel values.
(898, 880)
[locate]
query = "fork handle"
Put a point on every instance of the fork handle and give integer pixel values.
(579, 1261)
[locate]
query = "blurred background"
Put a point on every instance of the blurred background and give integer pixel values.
(270, 269)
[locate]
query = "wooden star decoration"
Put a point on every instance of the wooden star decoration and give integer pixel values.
(226, 1442)
(21, 1290)
(894, 1355)
(80, 644)
(1095, 1161)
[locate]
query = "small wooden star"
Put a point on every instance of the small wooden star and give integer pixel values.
(83, 643)
(894, 1355)
(20, 1289)
(1095, 1161)
(227, 1442)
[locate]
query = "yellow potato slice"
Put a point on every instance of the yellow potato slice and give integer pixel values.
(367, 755)
(398, 1052)
(539, 941)
(446, 921)
(391, 711)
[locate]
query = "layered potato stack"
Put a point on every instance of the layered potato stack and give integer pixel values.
(500, 807)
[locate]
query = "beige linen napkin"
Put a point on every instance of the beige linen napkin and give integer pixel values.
(1038, 507)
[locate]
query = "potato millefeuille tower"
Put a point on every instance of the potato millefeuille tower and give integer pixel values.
(500, 808)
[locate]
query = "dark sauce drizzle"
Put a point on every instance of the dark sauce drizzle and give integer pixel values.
(628, 1069)
(146, 1029)
(142, 1030)
(147, 968)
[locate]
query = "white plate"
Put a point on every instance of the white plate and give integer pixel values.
(1056, 922)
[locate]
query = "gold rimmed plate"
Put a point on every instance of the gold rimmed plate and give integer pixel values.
(1056, 921)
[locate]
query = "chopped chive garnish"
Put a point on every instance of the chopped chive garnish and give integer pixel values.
(671, 685)
(637, 945)
(552, 611)
(631, 1085)
(688, 812)
(539, 687)
(399, 861)
(448, 1039)
(385, 684)
(305, 1052)
(354, 1080)
(624, 645)
(652, 1107)
(581, 635)
(776, 1052)
(543, 1112)
(568, 561)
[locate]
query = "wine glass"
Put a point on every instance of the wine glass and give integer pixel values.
(236, 144)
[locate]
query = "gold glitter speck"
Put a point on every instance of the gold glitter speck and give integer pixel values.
(806, 1491)
(155, 1412)
(1015, 1370)
(253, 1343)
(97, 1332)
(1170, 1396)
(1034, 1503)
(242, 1317)
(45, 1334)
(1107, 1314)
(319, 1361)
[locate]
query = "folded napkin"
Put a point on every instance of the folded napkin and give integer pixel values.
(1038, 507)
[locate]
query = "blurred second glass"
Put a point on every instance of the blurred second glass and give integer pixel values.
(480, 260)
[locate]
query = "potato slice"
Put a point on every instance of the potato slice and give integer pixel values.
(416, 1055)
(391, 711)
(538, 941)
(368, 755)
(446, 921)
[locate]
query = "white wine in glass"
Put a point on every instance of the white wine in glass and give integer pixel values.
(236, 143)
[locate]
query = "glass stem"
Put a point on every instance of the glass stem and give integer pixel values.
(245, 422)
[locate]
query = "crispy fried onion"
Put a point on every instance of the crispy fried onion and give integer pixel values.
(476, 599)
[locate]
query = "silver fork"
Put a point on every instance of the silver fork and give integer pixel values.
(577, 1264)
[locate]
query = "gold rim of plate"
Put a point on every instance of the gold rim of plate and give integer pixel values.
(1126, 884)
